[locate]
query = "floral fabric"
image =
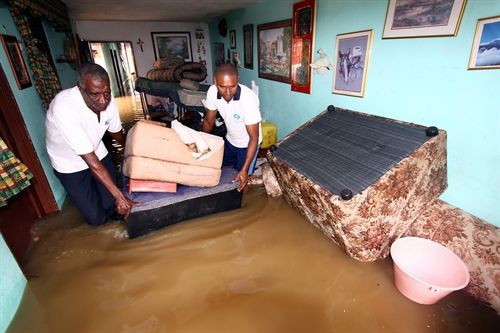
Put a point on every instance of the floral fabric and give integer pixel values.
(475, 241)
(366, 225)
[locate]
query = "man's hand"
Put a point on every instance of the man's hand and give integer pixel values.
(99, 171)
(124, 205)
(242, 176)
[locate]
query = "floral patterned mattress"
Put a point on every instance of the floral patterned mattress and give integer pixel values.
(361, 179)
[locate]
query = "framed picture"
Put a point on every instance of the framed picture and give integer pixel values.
(248, 46)
(351, 63)
(303, 18)
(416, 18)
(219, 53)
(302, 45)
(235, 59)
(232, 39)
(485, 52)
(274, 50)
(172, 44)
(16, 61)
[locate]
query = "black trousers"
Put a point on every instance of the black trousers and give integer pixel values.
(92, 199)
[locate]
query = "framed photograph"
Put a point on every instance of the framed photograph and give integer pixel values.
(232, 39)
(302, 45)
(235, 59)
(274, 50)
(172, 44)
(219, 53)
(351, 63)
(303, 18)
(248, 46)
(16, 61)
(485, 52)
(416, 18)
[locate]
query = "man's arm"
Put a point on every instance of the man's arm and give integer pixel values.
(209, 121)
(99, 171)
(242, 176)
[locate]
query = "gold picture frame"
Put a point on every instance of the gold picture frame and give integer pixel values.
(485, 52)
(16, 61)
(172, 44)
(351, 63)
(414, 18)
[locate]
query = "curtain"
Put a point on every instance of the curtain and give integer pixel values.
(14, 175)
(44, 76)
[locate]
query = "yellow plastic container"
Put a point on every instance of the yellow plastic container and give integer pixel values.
(268, 134)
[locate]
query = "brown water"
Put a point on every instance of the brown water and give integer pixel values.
(262, 268)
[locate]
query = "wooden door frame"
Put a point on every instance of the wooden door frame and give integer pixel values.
(44, 200)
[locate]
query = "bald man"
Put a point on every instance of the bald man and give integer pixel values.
(239, 107)
(76, 121)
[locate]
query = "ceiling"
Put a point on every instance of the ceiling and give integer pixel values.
(152, 10)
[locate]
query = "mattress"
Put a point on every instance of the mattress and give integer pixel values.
(361, 179)
(144, 168)
(155, 141)
(158, 210)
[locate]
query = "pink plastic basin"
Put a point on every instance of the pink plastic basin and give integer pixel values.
(426, 271)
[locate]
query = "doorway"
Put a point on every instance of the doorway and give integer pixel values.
(24, 208)
(118, 60)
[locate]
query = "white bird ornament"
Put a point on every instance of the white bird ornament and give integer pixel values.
(322, 64)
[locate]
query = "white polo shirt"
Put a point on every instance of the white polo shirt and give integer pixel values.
(242, 110)
(72, 129)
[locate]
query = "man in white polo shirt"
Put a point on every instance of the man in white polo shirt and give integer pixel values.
(76, 122)
(238, 105)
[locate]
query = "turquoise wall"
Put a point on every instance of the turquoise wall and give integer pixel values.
(28, 100)
(12, 283)
(419, 80)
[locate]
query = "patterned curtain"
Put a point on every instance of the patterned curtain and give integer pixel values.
(14, 175)
(45, 78)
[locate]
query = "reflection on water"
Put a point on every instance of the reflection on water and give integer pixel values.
(261, 268)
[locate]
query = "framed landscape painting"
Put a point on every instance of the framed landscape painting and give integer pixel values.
(416, 18)
(485, 52)
(172, 44)
(274, 50)
(351, 63)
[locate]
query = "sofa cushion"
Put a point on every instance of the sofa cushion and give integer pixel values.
(474, 240)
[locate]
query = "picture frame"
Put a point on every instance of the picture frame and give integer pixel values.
(168, 44)
(232, 39)
(235, 59)
(414, 18)
(485, 53)
(219, 53)
(302, 45)
(16, 61)
(352, 58)
(248, 46)
(274, 50)
(303, 18)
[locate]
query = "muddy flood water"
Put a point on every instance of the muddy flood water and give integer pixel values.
(262, 268)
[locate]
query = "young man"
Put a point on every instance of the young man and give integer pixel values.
(76, 122)
(239, 107)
